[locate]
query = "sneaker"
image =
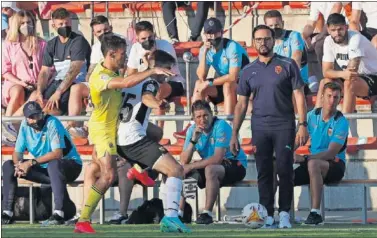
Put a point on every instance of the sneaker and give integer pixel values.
(173, 224)
(182, 134)
(118, 219)
(269, 223)
(6, 142)
(174, 41)
(9, 131)
(284, 220)
(204, 218)
(55, 219)
(6, 219)
(78, 132)
(84, 227)
(141, 175)
(73, 220)
(313, 219)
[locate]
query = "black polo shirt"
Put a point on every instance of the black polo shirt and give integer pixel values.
(272, 85)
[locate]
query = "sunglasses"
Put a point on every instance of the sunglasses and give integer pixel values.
(30, 58)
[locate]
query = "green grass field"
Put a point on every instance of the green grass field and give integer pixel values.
(215, 230)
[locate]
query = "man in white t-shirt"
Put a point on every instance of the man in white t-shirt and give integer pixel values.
(317, 8)
(357, 58)
(138, 61)
(370, 10)
(100, 25)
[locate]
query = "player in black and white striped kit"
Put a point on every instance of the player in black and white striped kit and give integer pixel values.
(134, 145)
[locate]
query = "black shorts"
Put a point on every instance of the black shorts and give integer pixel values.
(220, 95)
(371, 80)
(334, 175)
(177, 90)
(307, 90)
(145, 152)
(63, 102)
(234, 172)
(369, 32)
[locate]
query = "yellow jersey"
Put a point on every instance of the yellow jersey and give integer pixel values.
(106, 102)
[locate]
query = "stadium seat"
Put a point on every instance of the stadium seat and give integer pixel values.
(182, 47)
(164, 142)
(270, 5)
(146, 6)
(195, 52)
(298, 5)
(113, 7)
(359, 101)
(251, 51)
(235, 5)
(75, 7)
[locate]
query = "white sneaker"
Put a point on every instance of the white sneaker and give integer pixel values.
(269, 223)
(9, 131)
(78, 132)
(284, 220)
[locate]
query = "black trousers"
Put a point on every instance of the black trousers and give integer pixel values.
(168, 10)
(282, 142)
(58, 173)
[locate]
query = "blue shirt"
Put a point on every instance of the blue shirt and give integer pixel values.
(293, 41)
(219, 137)
(53, 136)
(4, 21)
(272, 85)
(323, 133)
(232, 55)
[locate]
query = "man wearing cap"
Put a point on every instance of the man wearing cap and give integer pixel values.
(55, 162)
(7, 11)
(227, 57)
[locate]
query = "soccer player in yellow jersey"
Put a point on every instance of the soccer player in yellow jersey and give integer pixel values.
(105, 90)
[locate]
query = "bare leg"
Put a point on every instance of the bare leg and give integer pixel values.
(214, 174)
(164, 92)
(17, 98)
(230, 97)
(317, 172)
(75, 103)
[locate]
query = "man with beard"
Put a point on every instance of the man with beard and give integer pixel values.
(356, 55)
(269, 83)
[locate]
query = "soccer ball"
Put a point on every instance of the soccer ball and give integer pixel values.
(254, 215)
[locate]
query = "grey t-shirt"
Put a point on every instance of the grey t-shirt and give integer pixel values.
(60, 55)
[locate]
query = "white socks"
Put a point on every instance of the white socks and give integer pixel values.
(208, 212)
(316, 211)
(60, 213)
(173, 195)
(163, 191)
(180, 213)
(9, 213)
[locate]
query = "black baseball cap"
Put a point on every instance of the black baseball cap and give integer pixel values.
(212, 25)
(31, 108)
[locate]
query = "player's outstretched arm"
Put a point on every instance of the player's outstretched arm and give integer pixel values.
(134, 79)
(151, 101)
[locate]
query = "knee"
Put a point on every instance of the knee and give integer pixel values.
(53, 165)
(210, 173)
(78, 90)
(229, 88)
(109, 177)
(313, 167)
(17, 93)
(176, 171)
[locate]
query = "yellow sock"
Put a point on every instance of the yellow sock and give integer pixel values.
(91, 203)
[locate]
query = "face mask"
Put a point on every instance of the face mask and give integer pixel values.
(148, 44)
(216, 42)
(65, 31)
(26, 30)
(278, 32)
(38, 125)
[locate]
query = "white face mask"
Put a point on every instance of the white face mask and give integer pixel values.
(26, 30)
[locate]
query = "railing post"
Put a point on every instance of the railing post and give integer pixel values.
(187, 57)
(230, 18)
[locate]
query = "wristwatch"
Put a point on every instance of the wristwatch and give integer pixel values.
(193, 142)
(305, 124)
(34, 162)
(306, 157)
(210, 82)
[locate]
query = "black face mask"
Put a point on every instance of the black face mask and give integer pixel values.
(38, 125)
(148, 44)
(278, 32)
(65, 31)
(216, 42)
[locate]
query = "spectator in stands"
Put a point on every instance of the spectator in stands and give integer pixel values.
(357, 59)
(138, 62)
(68, 53)
(273, 120)
(7, 11)
(55, 162)
(21, 64)
(105, 85)
(79, 92)
(210, 137)
(227, 57)
(168, 12)
(317, 8)
(328, 130)
(370, 10)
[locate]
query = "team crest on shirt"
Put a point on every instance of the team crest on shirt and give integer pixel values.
(43, 137)
(105, 77)
(278, 69)
(212, 141)
(111, 145)
(329, 131)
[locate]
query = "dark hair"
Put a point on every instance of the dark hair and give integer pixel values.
(60, 13)
(109, 41)
(272, 14)
(143, 26)
(163, 59)
(333, 86)
(263, 27)
(336, 19)
(99, 20)
(200, 105)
